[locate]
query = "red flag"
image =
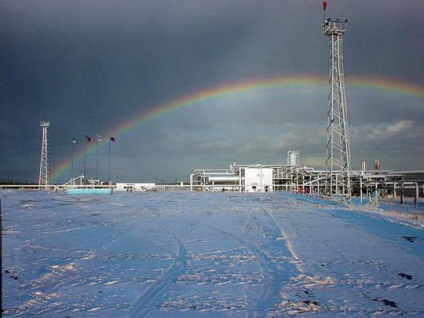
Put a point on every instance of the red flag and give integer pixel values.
(112, 138)
(87, 139)
(324, 5)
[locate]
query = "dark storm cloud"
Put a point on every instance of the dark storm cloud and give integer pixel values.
(90, 66)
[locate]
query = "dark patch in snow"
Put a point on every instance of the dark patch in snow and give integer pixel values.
(411, 239)
(12, 274)
(407, 276)
(310, 302)
(28, 201)
(386, 302)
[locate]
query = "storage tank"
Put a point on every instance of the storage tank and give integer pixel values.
(293, 158)
(224, 179)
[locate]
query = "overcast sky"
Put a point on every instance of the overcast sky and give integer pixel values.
(89, 67)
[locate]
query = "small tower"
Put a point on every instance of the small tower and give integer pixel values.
(293, 158)
(44, 162)
(338, 159)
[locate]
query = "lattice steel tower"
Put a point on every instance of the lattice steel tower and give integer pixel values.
(44, 162)
(338, 160)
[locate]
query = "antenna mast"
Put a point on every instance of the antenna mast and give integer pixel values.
(44, 162)
(338, 161)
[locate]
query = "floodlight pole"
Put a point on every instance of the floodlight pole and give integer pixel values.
(43, 179)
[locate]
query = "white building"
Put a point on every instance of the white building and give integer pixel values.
(130, 187)
(258, 179)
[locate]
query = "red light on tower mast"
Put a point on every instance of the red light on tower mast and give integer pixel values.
(324, 6)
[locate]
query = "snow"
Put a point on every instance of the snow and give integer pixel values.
(192, 254)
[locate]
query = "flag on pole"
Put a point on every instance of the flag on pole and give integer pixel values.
(87, 139)
(74, 141)
(324, 5)
(99, 138)
(112, 139)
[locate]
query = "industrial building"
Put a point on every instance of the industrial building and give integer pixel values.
(302, 179)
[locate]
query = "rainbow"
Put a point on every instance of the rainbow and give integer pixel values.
(240, 88)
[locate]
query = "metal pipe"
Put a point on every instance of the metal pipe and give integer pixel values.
(416, 195)
(191, 182)
(240, 178)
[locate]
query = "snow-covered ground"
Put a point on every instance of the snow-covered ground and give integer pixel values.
(208, 255)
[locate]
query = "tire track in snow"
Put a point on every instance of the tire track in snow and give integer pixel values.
(333, 263)
(263, 234)
(274, 277)
(288, 244)
(141, 307)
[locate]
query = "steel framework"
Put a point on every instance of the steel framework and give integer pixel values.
(338, 161)
(44, 162)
